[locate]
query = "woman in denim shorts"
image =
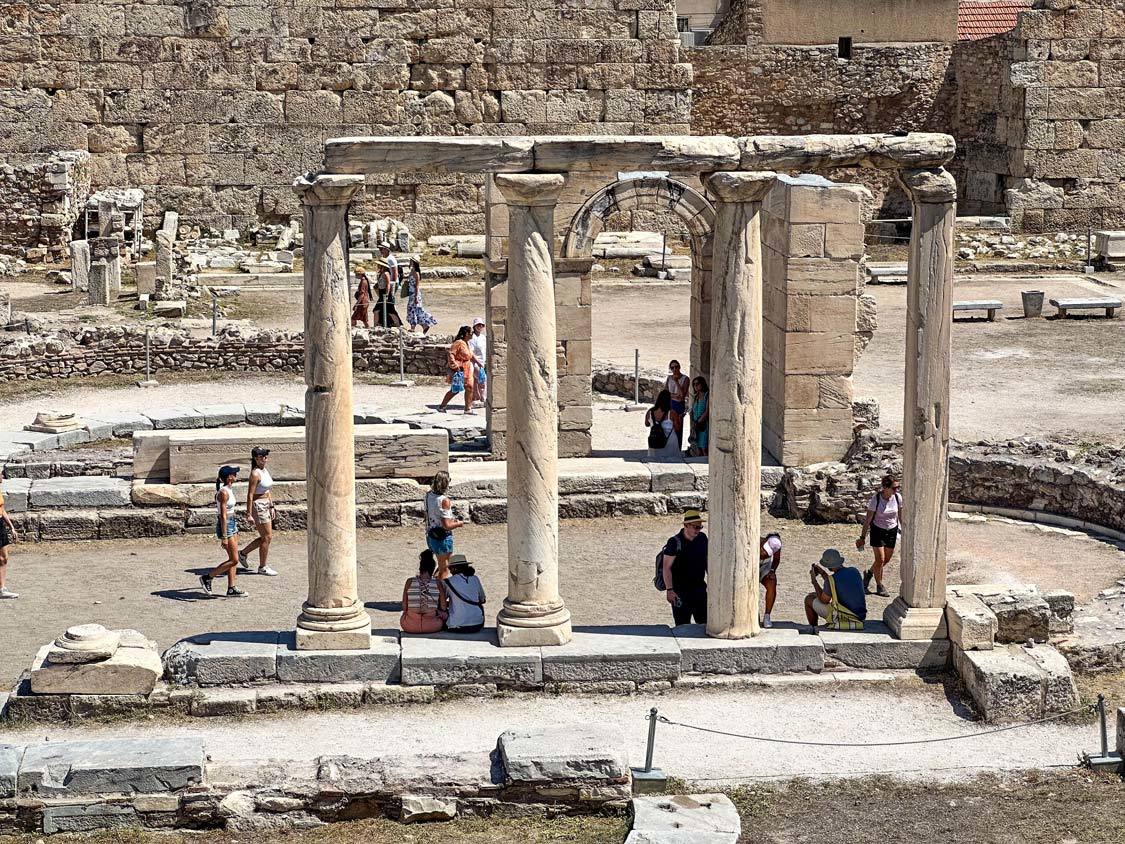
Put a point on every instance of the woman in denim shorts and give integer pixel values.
(226, 531)
(440, 523)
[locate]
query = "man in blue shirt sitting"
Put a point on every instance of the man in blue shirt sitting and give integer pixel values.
(838, 594)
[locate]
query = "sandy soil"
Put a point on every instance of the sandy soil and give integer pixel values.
(151, 585)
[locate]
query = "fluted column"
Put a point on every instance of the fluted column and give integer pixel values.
(735, 447)
(333, 617)
(533, 613)
(917, 613)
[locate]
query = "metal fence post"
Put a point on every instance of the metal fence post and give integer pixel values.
(651, 739)
(636, 376)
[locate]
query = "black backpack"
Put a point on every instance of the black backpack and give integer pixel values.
(658, 578)
(657, 439)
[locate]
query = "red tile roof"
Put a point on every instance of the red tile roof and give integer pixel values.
(978, 19)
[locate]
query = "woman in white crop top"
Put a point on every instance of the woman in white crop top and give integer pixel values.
(260, 509)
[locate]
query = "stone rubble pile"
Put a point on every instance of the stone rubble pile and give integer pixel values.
(384, 231)
(1060, 247)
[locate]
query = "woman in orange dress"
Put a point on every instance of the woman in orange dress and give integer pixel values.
(362, 300)
(461, 362)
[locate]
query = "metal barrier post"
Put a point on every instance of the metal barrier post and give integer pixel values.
(214, 314)
(1102, 725)
(148, 382)
(636, 405)
(1106, 760)
(649, 780)
(652, 739)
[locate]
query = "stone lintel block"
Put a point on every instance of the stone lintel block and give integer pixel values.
(774, 651)
(84, 491)
(445, 659)
(225, 659)
(131, 766)
(563, 755)
(672, 477)
(626, 652)
(972, 625)
(379, 663)
(581, 475)
(875, 647)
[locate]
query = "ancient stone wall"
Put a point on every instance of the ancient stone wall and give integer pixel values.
(41, 196)
(214, 106)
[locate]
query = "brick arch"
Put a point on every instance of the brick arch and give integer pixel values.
(657, 193)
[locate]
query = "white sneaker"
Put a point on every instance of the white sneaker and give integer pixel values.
(267, 571)
(766, 622)
(8, 593)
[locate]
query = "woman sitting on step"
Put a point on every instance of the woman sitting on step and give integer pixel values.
(423, 599)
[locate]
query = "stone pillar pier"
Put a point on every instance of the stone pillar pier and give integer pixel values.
(735, 459)
(533, 613)
(333, 617)
(917, 613)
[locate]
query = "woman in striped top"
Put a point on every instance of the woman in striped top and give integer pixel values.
(423, 599)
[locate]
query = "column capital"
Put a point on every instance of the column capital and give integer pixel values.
(731, 186)
(327, 188)
(530, 189)
(931, 184)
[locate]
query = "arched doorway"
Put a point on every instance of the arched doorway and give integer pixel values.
(657, 193)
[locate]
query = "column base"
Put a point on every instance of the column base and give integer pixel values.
(333, 629)
(907, 622)
(532, 625)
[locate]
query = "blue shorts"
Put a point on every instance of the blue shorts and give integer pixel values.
(481, 376)
(443, 547)
(231, 528)
(678, 406)
(457, 382)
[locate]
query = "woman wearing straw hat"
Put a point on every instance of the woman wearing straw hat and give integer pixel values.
(466, 597)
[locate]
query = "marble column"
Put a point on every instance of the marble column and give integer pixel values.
(333, 617)
(918, 611)
(533, 613)
(735, 454)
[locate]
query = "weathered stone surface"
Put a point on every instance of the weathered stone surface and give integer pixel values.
(563, 754)
(639, 653)
(446, 659)
(586, 475)
(10, 757)
(88, 818)
(175, 418)
(971, 624)
(124, 424)
(1014, 683)
(223, 659)
(876, 647)
(263, 413)
(130, 671)
(84, 491)
(145, 766)
(420, 808)
(380, 663)
(222, 415)
(224, 701)
(1020, 616)
(99, 706)
(696, 818)
(84, 643)
(773, 651)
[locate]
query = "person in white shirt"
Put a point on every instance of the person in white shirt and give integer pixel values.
(478, 345)
(882, 520)
(260, 509)
(465, 595)
(769, 560)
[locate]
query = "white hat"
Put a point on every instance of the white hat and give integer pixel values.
(478, 321)
(772, 545)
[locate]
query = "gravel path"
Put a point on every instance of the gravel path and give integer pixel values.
(822, 712)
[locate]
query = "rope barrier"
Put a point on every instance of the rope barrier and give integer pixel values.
(804, 743)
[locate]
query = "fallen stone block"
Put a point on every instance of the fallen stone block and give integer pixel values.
(423, 808)
(223, 659)
(876, 647)
(775, 651)
(145, 766)
(1020, 616)
(130, 671)
(1014, 683)
(563, 754)
(1061, 603)
(445, 659)
(169, 308)
(88, 491)
(380, 663)
(684, 819)
(624, 652)
(88, 817)
(971, 624)
(10, 757)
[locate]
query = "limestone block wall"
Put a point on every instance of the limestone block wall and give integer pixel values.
(41, 197)
(812, 245)
(214, 106)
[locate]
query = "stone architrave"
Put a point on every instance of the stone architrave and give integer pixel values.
(918, 611)
(533, 613)
(735, 454)
(333, 617)
(99, 283)
(79, 265)
(163, 262)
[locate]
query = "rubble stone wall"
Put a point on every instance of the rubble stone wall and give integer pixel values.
(214, 106)
(41, 196)
(112, 351)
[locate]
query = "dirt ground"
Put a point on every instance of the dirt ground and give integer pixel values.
(151, 585)
(1070, 807)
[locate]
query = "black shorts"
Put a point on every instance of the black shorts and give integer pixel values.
(5, 535)
(883, 538)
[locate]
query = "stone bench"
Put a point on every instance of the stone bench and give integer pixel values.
(194, 456)
(989, 305)
(1110, 306)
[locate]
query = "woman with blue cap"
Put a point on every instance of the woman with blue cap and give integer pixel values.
(226, 531)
